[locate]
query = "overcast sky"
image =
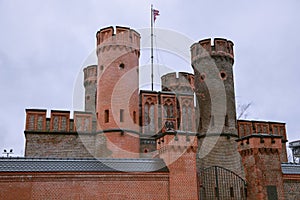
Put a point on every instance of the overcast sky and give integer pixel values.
(44, 44)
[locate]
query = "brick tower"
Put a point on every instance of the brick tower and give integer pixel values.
(214, 87)
(90, 86)
(261, 156)
(118, 52)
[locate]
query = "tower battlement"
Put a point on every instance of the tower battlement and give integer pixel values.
(184, 83)
(90, 75)
(118, 37)
(221, 47)
(59, 121)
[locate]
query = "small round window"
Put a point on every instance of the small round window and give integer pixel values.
(122, 66)
(223, 75)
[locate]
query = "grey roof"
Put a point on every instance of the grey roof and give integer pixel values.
(290, 168)
(81, 165)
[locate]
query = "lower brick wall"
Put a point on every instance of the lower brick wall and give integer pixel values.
(84, 186)
(291, 187)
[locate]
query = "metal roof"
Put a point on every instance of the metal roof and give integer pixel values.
(81, 165)
(290, 168)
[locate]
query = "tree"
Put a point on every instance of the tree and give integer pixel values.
(242, 110)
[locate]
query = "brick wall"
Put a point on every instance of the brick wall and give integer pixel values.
(96, 185)
(180, 156)
(291, 187)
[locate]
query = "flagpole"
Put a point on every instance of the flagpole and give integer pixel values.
(151, 47)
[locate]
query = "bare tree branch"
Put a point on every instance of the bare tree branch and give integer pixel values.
(242, 110)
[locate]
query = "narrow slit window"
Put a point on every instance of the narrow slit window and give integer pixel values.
(134, 117)
(121, 115)
(106, 116)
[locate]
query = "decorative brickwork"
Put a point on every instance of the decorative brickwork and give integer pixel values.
(247, 128)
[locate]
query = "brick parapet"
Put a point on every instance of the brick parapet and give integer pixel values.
(221, 48)
(59, 121)
(120, 37)
(184, 83)
(249, 127)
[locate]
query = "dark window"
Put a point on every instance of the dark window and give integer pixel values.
(272, 192)
(106, 116)
(231, 192)
(121, 115)
(122, 66)
(223, 75)
(134, 117)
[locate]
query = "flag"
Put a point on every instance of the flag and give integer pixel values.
(155, 14)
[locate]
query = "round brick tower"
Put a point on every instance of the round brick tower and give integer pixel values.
(183, 84)
(117, 108)
(214, 88)
(90, 86)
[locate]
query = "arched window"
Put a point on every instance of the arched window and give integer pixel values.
(189, 122)
(152, 121)
(149, 118)
(184, 118)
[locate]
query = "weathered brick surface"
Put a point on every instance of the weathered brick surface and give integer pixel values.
(219, 151)
(261, 159)
(291, 184)
(214, 88)
(94, 185)
(41, 145)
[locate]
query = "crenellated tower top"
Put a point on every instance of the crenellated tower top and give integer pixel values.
(118, 37)
(184, 83)
(221, 48)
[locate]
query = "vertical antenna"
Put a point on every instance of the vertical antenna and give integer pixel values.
(151, 47)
